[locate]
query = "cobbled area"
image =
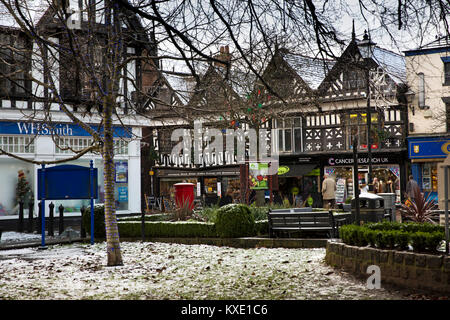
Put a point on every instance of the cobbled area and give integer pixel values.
(175, 271)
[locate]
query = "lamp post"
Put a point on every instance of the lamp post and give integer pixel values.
(366, 49)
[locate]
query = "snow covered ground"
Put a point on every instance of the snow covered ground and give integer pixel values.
(10, 236)
(174, 271)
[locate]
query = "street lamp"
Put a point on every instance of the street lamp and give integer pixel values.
(366, 49)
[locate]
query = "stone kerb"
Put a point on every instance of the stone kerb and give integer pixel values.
(401, 268)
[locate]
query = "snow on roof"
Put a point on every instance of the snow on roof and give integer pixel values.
(182, 85)
(33, 10)
(393, 64)
(311, 70)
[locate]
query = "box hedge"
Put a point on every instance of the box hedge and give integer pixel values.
(132, 229)
(392, 235)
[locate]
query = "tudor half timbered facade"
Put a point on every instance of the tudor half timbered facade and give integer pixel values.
(316, 132)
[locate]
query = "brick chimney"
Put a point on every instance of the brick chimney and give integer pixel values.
(223, 55)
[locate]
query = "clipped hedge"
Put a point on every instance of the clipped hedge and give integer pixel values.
(99, 220)
(132, 229)
(153, 217)
(392, 235)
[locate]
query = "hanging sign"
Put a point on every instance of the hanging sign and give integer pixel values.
(258, 175)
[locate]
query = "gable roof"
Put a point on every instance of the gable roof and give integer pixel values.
(393, 64)
(311, 70)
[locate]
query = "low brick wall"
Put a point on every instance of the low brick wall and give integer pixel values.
(404, 269)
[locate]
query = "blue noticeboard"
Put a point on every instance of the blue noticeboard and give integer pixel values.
(67, 182)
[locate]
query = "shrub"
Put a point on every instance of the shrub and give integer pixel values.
(402, 240)
(99, 220)
(261, 227)
(419, 209)
(259, 213)
(234, 220)
(422, 237)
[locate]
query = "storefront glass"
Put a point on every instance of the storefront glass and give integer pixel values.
(167, 189)
(232, 186)
(9, 172)
(429, 177)
(388, 177)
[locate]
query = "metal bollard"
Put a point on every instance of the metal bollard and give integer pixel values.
(51, 206)
(39, 222)
(20, 222)
(30, 216)
(82, 230)
(61, 219)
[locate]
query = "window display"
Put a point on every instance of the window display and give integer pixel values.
(429, 177)
(388, 180)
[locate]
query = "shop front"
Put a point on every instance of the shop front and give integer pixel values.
(299, 179)
(34, 141)
(388, 168)
(209, 184)
(426, 153)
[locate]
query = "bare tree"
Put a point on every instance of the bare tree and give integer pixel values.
(77, 61)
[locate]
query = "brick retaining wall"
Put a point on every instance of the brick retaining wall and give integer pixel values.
(401, 268)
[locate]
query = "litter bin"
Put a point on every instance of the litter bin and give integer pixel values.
(184, 193)
(389, 203)
(372, 208)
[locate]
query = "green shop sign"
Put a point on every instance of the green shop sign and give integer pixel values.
(283, 170)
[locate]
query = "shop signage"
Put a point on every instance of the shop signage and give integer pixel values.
(334, 161)
(282, 170)
(428, 148)
(57, 129)
(166, 173)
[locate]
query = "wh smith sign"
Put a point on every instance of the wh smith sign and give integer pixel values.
(58, 129)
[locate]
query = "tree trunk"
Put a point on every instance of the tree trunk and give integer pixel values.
(112, 232)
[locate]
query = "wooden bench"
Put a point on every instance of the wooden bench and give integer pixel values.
(312, 221)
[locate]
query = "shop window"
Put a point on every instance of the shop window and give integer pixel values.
(17, 144)
(289, 134)
(69, 145)
(429, 177)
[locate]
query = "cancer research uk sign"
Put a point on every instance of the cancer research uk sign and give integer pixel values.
(58, 129)
(348, 161)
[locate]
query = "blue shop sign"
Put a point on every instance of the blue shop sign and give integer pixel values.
(432, 147)
(59, 129)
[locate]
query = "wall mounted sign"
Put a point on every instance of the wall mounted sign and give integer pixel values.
(432, 147)
(362, 159)
(58, 129)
